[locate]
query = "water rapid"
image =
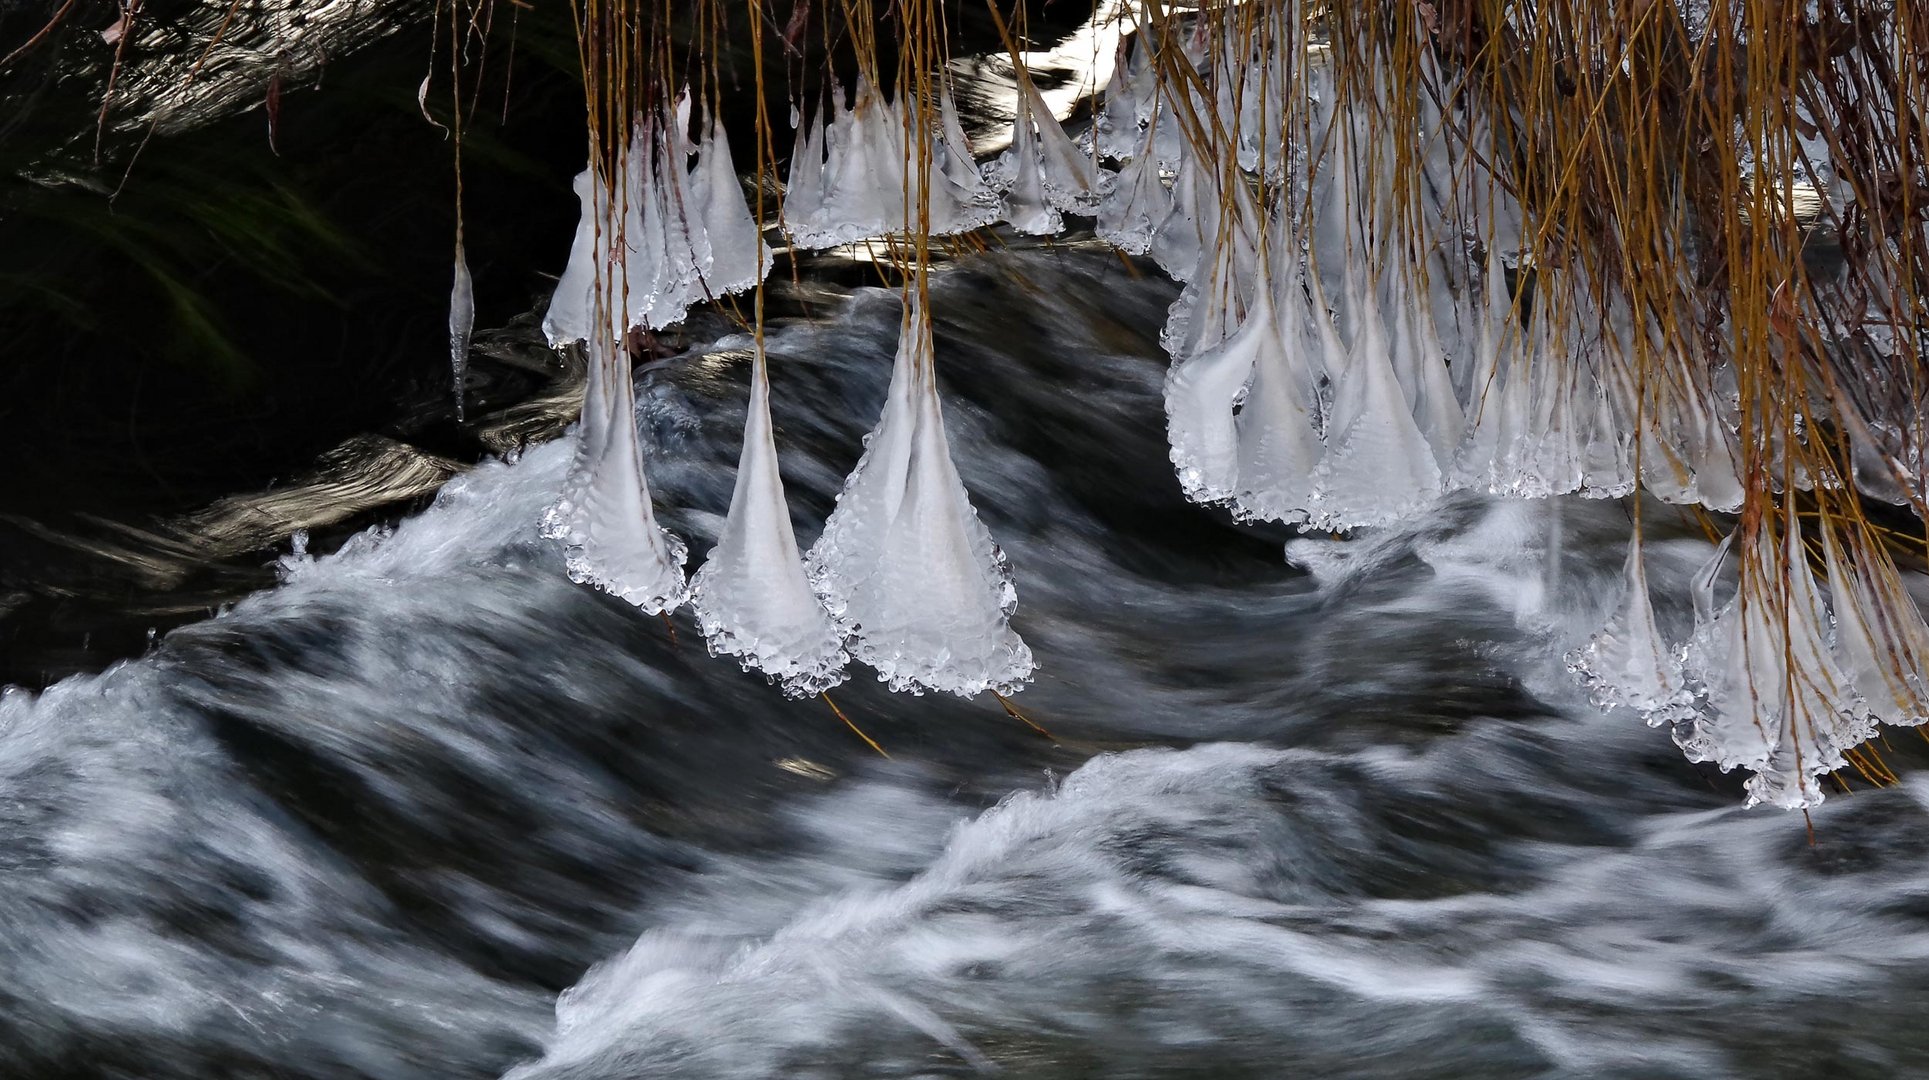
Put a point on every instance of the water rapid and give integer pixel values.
(1311, 807)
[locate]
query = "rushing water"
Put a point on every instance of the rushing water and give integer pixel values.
(1338, 814)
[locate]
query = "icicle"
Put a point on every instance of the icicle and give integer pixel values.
(1627, 663)
(1183, 235)
(804, 187)
(1019, 174)
(1378, 466)
(462, 322)
(1278, 424)
(1201, 393)
(1116, 127)
(609, 533)
(752, 599)
(1131, 212)
(686, 252)
(1773, 694)
(973, 205)
(904, 563)
(1882, 643)
(568, 317)
(1424, 361)
(1477, 461)
(1070, 177)
(735, 241)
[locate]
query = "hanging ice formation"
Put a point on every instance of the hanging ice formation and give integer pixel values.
(1044, 171)
(603, 519)
(1370, 318)
(912, 576)
(684, 235)
(1772, 699)
(849, 181)
(462, 323)
(1628, 663)
(1018, 176)
(752, 599)
(737, 260)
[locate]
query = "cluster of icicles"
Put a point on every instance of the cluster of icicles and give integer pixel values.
(904, 578)
(1787, 676)
(1308, 390)
(1306, 387)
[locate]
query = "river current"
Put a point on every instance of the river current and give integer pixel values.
(1309, 806)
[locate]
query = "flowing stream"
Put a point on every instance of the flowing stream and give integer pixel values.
(426, 809)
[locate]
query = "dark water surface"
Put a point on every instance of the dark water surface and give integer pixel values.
(1334, 815)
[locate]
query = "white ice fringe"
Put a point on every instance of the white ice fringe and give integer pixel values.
(1378, 466)
(1130, 213)
(904, 565)
(752, 599)
(1880, 639)
(1071, 176)
(850, 181)
(1019, 176)
(667, 248)
(1627, 662)
(1130, 100)
(568, 318)
(1774, 702)
(603, 519)
(737, 260)
(687, 235)
(1278, 424)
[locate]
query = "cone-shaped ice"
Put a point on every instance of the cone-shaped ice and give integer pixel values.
(959, 201)
(1200, 394)
(1607, 466)
(1130, 99)
(666, 256)
(752, 599)
(804, 186)
(956, 162)
(567, 320)
(904, 563)
(1627, 663)
(1378, 467)
(1279, 443)
(860, 177)
(737, 261)
(1490, 425)
(663, 222)
(1775, 700)
(1019, 175)
(864, 178)
(609, 534)
(846, 551)
(1717, 475)
(1421, 358)
(1069, 174)
(1191, 223)
(1130, 213)
(1880, 639)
